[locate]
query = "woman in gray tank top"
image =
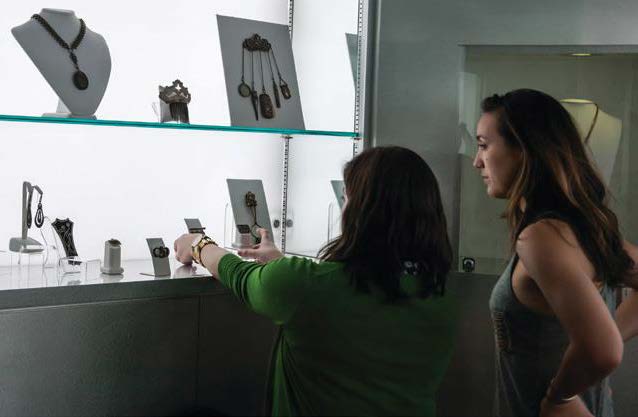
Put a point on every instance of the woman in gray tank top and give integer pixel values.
(553, 307)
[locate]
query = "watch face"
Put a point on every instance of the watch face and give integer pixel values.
(197, 239)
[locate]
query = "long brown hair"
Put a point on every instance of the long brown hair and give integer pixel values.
(557, 179)
(392, 223)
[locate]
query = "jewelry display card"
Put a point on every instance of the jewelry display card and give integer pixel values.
(251, 214)
(160, 255)
(259, 69)
(338, 187)
(352, 40)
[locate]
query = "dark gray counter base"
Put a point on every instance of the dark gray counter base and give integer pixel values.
(173, 347)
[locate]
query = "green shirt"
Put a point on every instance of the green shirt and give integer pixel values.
(344, 352)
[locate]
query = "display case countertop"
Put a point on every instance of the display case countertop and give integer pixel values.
(25, 286)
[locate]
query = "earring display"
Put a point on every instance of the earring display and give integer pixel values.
(39, 214)
(80, 79)
(24, 243)
(177, 97)
(260, 46)
(64, 229)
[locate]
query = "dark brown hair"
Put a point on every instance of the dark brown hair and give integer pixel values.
(556, 178)
(392, 223)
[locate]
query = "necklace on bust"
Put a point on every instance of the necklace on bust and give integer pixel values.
(593, 124)
(80, 80)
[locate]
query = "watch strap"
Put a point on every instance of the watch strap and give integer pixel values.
(201, 244)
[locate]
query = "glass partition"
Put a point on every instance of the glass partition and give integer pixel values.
(313, 206)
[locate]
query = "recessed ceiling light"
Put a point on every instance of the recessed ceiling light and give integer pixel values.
(581, 54)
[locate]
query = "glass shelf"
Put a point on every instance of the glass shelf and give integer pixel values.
(155, 125)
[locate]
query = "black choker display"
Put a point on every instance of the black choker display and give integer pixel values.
(261, 46)
(80, 80)
(64, 229)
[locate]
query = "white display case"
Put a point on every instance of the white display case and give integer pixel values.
(123, 175)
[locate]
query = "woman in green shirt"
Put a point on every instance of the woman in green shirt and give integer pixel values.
(367, 330)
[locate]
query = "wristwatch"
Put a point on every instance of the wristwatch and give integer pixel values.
(200, 242)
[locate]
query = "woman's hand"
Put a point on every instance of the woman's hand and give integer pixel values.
(573, 408)
(264, 252)
(183, 247)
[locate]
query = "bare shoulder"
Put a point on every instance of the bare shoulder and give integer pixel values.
(550, 251)
(548, 234)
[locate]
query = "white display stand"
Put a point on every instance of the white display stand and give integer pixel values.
(56, 67)
(605, 136)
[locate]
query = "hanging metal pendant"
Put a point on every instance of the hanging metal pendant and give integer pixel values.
(276, 92)
(244, 89)
(253, 98)
(80, 80)
(285, 90)
(265, 104)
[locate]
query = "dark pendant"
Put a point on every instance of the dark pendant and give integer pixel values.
(265, 104)
(80, 80)
(179, 112)
(285, 90)
(276, 91)
(253, 98)
(244, 90)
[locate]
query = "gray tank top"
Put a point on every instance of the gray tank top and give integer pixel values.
(529, 350)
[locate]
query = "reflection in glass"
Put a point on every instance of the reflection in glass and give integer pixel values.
(597, 89)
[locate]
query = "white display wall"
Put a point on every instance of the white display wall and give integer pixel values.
(323, 61)
(312, 204)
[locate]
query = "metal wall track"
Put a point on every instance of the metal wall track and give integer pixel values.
(357, 143)
(284, 191)
(286, 152)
